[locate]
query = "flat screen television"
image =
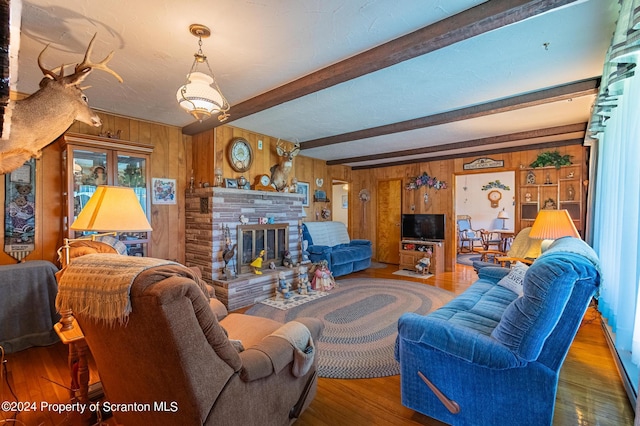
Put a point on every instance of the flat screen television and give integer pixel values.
(427, 227)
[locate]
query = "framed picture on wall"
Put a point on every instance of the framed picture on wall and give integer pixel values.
(345, 201)
(163, 191)
(303, 188)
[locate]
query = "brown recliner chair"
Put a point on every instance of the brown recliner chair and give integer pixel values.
(177, 357)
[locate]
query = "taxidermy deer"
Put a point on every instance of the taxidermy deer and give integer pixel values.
(39, 119)
(280, 172)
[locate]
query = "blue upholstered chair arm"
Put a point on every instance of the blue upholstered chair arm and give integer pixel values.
(455, 340)
(360, 242)
(493, 273)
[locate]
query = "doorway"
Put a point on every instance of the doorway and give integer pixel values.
(484, 196)
(388, 215)
(340, 198)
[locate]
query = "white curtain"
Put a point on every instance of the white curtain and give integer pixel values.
(615, 230)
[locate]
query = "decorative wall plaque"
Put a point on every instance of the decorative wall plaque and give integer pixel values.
(483, 163)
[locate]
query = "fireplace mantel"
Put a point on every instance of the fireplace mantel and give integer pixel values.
(209, 210)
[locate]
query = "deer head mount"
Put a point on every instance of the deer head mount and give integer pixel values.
(280, 172)
(39, 119)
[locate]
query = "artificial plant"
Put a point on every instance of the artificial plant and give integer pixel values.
(551, 158)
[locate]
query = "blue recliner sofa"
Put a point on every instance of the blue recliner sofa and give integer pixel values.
(491, 357)
(330, 241)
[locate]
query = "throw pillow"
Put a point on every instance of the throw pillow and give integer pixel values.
(513, 281)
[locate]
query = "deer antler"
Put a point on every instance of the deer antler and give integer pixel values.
(82, 67)
(102, 65)
(49, 73)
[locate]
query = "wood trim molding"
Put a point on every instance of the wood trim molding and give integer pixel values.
(553, 94)
(470, 23)
(511, 137)
(545, 145)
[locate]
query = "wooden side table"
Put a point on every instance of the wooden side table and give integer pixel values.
(71, 334)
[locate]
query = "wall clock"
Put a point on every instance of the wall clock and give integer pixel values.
(494, 197)
(240, 155)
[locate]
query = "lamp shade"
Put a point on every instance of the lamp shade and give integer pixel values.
(112, 208)
(198, 97)
(503, 215)
(553, 224)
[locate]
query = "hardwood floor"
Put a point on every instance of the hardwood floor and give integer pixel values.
(590, 391)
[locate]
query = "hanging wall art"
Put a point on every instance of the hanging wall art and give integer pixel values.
(20, 211)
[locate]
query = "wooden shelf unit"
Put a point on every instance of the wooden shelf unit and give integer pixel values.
(409, 256)
(561, 188)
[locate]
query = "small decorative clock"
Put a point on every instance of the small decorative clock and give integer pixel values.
(263, 183)
(240, 155)
(494, 198)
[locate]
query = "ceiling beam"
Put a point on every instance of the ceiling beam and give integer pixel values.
(545, 96)
(470, 23)
(511, 137)
(543, 145)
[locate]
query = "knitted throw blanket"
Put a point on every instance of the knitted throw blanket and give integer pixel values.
(97, 285)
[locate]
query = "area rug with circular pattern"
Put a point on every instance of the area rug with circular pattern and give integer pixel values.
(361, 323)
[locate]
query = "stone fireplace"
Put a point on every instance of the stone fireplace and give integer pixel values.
(210, 210)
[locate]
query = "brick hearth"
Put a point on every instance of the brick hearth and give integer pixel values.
(208, 210)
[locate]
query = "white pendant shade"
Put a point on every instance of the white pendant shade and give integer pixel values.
(198, 98)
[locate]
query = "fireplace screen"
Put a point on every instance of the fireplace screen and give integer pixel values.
(273, 239)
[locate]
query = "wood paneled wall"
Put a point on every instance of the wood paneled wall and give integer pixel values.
(171, 159)
(440, 201)
(210, 151)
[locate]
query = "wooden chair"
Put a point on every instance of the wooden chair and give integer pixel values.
(467, 236)
(523, 249)
(489, 240)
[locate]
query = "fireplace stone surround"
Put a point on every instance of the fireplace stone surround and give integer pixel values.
(209, 210)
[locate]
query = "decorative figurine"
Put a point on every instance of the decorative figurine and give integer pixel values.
(304, 286)
(283, 287)
(256, 265)
(286, 259)
(323, 278)
(531, 178)
(571, 193)
(423, 264)
(244, 220)
(272, 266)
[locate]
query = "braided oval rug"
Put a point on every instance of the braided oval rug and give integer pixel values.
(361, 323)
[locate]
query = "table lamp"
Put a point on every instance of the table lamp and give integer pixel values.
(504, 216)
(553, 224)
(110, 209)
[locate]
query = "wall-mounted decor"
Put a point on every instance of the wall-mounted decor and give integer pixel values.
(494, 197)
(345, 201)
(496, 184)
(240, 155)
(483, 163)
(320, 196)
(425, 180)
(19, 211)
(303, 188)
(163, 191)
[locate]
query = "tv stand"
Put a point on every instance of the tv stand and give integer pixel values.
(411, 251)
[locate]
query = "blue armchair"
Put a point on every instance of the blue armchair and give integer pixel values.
(489, 357)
